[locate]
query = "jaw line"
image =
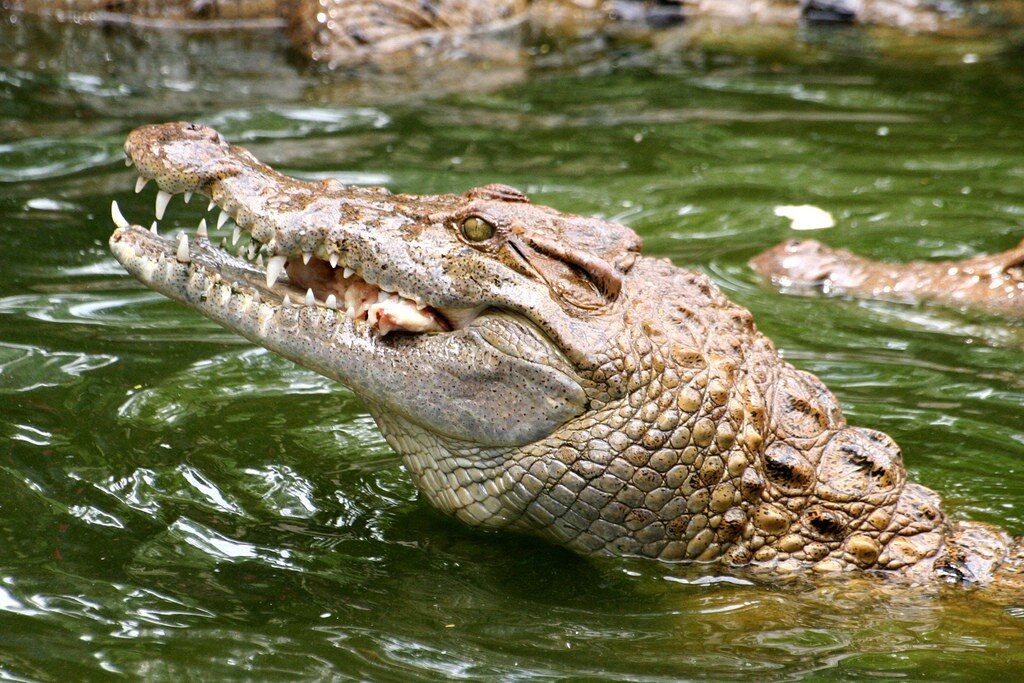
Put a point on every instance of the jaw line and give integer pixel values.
(398, 371)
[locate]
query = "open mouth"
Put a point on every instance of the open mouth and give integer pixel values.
(307, 278)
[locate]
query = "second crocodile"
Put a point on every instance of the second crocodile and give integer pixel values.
(991, 284)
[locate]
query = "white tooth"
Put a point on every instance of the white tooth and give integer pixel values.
(182, 254)
(115, 213)
(222, 219)
(306, 255)
(162, 200)
(286, 302)
(140, 183)
(251, 251)
(259, 260)
(264, 316)
(274, 268)
(211, 205)
(127, 162)
(148, 268)
(201, 230)
(235, 234)
(334, 260)
(350, 313)
(310, 298)
(153, 229)
(347, 273)
(332, 302)
(188, 196)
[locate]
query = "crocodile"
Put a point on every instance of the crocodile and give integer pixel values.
(537, 373)
(991, 284)
(346, 32)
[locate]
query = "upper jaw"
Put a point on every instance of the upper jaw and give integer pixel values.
(315, 238)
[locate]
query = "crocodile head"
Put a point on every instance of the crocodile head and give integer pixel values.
(466, 322)
(534, 371)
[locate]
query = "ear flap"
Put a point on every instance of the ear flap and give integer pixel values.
(497, 192)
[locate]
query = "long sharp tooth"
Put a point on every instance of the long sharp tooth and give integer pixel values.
(201, 230)
(162, 200)
(222, 219)
(332, 302)
(334, 260)
(148, 268)
(306, 255)
(153, 228)
(347, 273)
(182, 254)
(140, 183)
(188, 196)
(274, 268)
(286, 302)
(259, 260)
(115, 213)
(128, 162)
(235, 234)
(310, 297)
(211, 205)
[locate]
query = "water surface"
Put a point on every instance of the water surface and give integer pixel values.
(177, 504)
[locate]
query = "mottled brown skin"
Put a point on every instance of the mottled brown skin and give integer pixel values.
(345, 32)
(990, 284)
(608, 401)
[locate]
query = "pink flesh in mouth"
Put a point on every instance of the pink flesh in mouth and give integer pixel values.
(360, 300)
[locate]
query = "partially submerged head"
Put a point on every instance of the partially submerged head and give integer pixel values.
(801, 263)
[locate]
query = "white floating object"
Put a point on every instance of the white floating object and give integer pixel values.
(806, 217)
(115, 213)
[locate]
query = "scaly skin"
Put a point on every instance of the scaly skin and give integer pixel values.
(570, 387)
(342, 32)
(991, 284)
(173, 10)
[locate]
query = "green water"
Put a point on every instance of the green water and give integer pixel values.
(175, 504)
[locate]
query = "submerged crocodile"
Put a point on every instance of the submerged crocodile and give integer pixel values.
(538, 374)
(991, 284)
(343, 32)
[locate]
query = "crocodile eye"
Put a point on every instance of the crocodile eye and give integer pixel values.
(477, 229)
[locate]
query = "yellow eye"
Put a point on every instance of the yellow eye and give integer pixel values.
(477, 229)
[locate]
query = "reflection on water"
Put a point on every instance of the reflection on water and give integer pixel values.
(176, 504)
